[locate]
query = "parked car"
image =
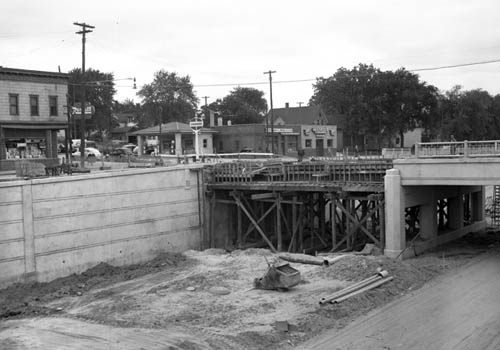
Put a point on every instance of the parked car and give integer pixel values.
(121, 152)
(89, 152)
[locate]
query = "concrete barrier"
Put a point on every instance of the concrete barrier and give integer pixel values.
(56, 226)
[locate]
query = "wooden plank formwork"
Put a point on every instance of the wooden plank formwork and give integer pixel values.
(299, 221)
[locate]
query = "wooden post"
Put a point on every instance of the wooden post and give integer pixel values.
(321, 214)
(293, 244)
(334, 221)
(278, 223)
(212, 222)
(381, 214)
(301, 227)
(240, 229)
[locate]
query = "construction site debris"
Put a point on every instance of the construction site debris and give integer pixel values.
(369, 249)
(303, 259)
(282, 326)
(219, 290)
(381, 277)
(279, 276)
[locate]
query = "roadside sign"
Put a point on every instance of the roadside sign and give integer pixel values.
(76, 111)
(196, 124)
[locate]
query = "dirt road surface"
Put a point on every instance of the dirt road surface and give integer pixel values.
(206, 300)
(460, 311)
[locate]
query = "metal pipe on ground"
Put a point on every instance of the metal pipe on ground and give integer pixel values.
(361, 284)
(362, 290)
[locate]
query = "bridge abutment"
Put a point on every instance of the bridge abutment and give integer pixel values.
(395, 238)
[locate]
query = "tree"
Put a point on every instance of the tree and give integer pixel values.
(408, 102)
(469, 115)
(130, 107)
(376, 103)
(242, 106)
(99, 91)
(346, 93)
(168, 98)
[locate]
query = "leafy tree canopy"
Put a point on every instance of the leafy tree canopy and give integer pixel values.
(469, 115)
(375, 102)
(242, 106)
(99, 91)
(168, 98)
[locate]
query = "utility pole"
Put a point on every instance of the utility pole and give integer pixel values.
(206, 107)
(82, 102)
(270, 72)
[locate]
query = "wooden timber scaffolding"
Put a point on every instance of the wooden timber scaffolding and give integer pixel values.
(296, 206)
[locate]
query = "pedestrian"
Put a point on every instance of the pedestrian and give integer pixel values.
(300, 154)
(452, 146)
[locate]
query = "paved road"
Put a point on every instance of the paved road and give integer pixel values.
(461, 311)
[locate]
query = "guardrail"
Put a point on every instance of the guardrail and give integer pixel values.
(462, 149)
(367, 171)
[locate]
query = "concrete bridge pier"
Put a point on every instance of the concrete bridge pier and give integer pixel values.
(463, 212)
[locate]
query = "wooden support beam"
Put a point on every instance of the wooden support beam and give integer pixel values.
(251, 225)
(212, 222)
(292, 244)
(358, 225)
(278, 223)
(239, 240)
(333, 217)
(247, 213)
(381, 214)
(259, 196)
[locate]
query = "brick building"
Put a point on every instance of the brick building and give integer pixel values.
(304, 128)
(32, 111)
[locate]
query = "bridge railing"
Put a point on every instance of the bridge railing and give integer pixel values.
(371, 171)
(490, 148)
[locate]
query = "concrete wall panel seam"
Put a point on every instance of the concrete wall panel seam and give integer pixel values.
(104, 194)
(122, 224)
(111, 242)
(109, 210)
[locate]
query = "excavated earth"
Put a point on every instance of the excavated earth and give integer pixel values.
(206, 300)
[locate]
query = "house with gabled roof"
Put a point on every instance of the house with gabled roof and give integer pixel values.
(312, 115)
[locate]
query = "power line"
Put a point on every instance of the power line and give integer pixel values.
(307, 80)
(455, 66)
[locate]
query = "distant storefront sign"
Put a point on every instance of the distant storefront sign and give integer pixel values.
(280, 130)
(76, 111)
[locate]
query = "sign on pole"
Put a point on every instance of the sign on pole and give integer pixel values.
(196, 124)
(76, 111)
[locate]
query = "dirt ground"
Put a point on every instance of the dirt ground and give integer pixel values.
(206, 300)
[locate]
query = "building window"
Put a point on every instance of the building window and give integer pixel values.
(53, 105)
(34, 104)
(205, 143)
(329, 143)
(308, 143)
(14, 104)
(236, 145)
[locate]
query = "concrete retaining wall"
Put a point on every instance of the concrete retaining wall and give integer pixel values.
(53, 227)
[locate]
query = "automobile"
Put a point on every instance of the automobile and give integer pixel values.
(121, 152)
(89, 152)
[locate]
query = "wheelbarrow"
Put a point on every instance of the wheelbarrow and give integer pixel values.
(279, 276)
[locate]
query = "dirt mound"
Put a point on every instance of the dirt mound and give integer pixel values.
(25, 299)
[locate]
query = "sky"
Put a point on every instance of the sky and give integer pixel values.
(222, 44)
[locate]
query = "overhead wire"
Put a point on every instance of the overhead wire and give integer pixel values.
(310, 79)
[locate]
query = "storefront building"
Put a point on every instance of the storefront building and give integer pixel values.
(175, 138)
(32, 111)
(315, 140)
